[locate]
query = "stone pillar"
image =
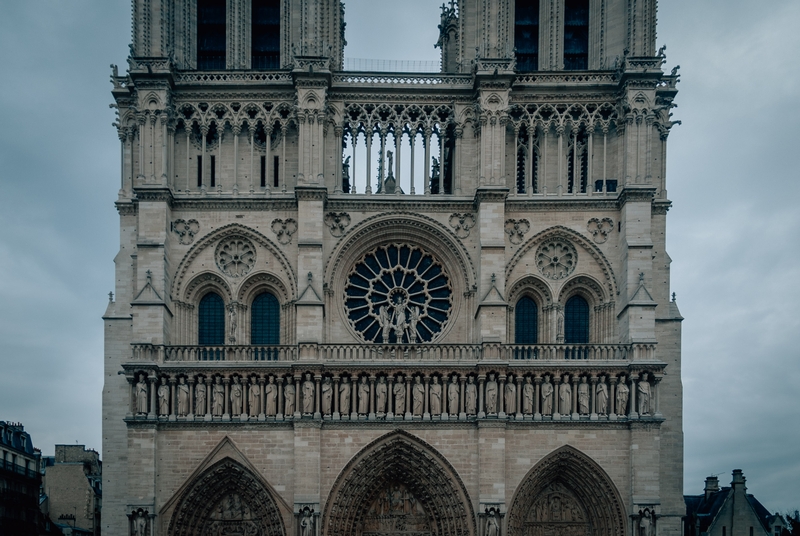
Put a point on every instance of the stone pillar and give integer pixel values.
(426, 416)
(537, 416)
(462, 416)
(575, 415)
(612, 398)
(371, 415)
(153, 403)
(632, 414)
(481, 409)
(592, 397)
(556, 397)
(336, 415)
(173, 403)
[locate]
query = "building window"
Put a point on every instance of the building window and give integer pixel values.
(266, 36)
(265, 320)
(576, 321)
(263, 171)
(526, 34)
(213, 170)
(276, 164)
(199, 171)
(526, 321)
(211, 316)
(211, 30)
(576, 35)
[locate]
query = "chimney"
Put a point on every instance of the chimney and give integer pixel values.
(712, 485)
(738, 480)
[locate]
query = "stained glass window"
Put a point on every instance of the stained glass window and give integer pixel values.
(576, 35)
(526, 34)
(265, 320)
(526, 321)
(576, 321)
(266, 37)
(211, 30)
(211, 315)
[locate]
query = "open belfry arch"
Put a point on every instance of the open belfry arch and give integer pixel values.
(387, 303)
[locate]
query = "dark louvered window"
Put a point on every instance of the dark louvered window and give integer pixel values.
(576, 321)
(211, 315)
(526, 321)
(526, 34)
(266, 37)
(576, 35)
(265, 320)
(211, 30)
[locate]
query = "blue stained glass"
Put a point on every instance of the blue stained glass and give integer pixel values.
(526, 321)
(576, 321)
(211, 317)
(265, 320)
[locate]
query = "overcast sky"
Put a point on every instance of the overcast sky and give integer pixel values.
(734, 229)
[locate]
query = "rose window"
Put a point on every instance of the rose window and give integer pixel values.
(398, 294)
(236, 256)
(556, 259)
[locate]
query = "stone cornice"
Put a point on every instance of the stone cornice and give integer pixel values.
(311, 193)
(490, 194)
(153, 194)
(550, 204)
(236, 203)
(661, 207)
(639, 193)
(126, 208)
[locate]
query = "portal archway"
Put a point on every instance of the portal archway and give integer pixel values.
(566, 494)
(399, 485)
(227, 499)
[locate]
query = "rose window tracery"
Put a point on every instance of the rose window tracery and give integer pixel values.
(556, 259)
(398, 294)
(236, 256)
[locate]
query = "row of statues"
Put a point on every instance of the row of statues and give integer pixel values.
(402, 395)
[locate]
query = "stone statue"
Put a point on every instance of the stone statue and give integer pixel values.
(254, 397)
(271, 397)
(471, 397)
(413, 313)
(141, 396)
(344, 396)
(308, 394)
(418, 394)
(218, 397)
(435, 396)
(380, 395)
(583, 397)
(363, 396)
(565, 397)
(236, 397)
(232, 321)
(327, 395)
(547, 396)
(435, 172)
(643, 396)
(452, 396)
(527, 396)
(492, 523)
(183, 396)
(139, 524)
(645, 523)
(602, 397)
(400, 323)
(510, 399)
(200, 398)
(163, 397)
(399, 391)
(622, 396)
(307, 523)
(385, 322)
(346, 175)
(288, 397)
(491, 395)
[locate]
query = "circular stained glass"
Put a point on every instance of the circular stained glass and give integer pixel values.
(398, 294)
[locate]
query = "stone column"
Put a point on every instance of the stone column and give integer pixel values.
(153, 403)
(191, 382)
(593, 397)
(462, 416)
(173, 402)
(612, 398)
(556, 397)
(368, 189)
(279, 402)
(262, 402)
(575, 414)
(336, 415)
(657, 402)
(537, 383)
(317, 408)
(338, 131)
(427, 175)
(426, 416)
(501, 396)
(632, 414)
(481, 411)
(226, 413)
(412, 140)
(519, 415)
(409, 414)
(371, 415)
(354, 398)
(298, 390)
(209, 384)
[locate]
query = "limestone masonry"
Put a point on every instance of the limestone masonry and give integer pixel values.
(393, 303)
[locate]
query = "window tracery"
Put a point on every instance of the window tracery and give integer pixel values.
(398, 294)
(556, 259)
(235, 256)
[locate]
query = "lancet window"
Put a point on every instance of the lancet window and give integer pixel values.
(265, 320)
(527, 160)
(576, 35)
(526, 34)
(266, 33)
(211, 33)
(211, 320)
(576, 321)
(577, 162)
(526, 321)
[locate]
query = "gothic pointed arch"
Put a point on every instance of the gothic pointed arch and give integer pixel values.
(399, 484)
(226, 495)
(566, 493)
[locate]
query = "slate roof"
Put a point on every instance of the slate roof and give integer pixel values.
(702, 511)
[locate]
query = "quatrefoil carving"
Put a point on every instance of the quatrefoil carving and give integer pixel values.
(186, 230)
(600, 229)
(284, 229)
(337, 222)
(516, 229)
(462, 223)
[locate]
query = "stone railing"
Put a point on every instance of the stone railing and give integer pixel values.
(232, 77)
(405, 79)
(411, 352)
(556, 352)
(566, 78)
(149, 352)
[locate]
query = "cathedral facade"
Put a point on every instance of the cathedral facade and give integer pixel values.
(372, 303)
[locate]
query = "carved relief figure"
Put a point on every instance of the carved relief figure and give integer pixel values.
(236, 397)
(602, 397)
(436, 396)
(307, 523)
(399, 390)
(344, 396)
(418, 393)
(491, 395)
(163, 397)
(139, 524)
(527, 396)
(200, 397)
(492, 523)
(288, 397)
(141, 396)
(271, 396)
(413, 313)
(183, 396)
(547, 396)
(254, 397)
(385, 323)
(380, 395)
(510, 399)
(622, 396)
(645, 523)
(218, 397)
(232, 323)
(643, 396)
(452, 396)
(363, 396)
(583, 397)
(471, 397)
(327, 395)
(565, 397)
(308, 394)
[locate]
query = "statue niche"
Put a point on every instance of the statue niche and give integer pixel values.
(556, 513)
(396, 511)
